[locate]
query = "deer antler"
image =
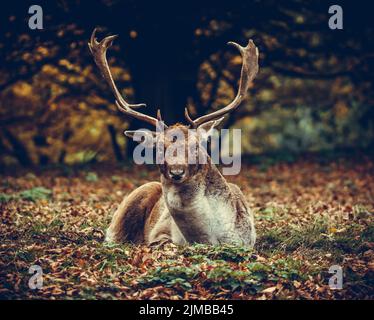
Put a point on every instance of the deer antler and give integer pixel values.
(98, 50)
(248, 73)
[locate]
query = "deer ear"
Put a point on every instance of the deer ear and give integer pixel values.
(205, 130)
(146, 137)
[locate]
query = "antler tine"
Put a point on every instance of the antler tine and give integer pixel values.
(98, 51)
(249, 70)
(188, 118)
(159, 118)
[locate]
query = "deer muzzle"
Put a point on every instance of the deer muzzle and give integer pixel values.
(177, 174)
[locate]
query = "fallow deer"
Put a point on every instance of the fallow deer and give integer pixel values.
(193, 202)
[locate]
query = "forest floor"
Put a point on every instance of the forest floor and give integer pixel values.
(311, 214)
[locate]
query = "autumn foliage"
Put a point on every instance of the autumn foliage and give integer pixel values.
(307, 141)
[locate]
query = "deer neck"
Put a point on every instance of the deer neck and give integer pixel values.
(197, 205)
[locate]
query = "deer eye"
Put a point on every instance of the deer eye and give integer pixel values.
(174, 139)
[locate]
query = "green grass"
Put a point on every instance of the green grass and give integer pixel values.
(33, 194)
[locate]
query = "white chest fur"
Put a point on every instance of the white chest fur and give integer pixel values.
(201, 218)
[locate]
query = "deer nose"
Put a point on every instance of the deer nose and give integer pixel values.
(176, 174)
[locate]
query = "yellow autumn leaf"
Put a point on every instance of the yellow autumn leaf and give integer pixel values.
(22, 89)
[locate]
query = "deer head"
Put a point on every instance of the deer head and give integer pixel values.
(176, 168)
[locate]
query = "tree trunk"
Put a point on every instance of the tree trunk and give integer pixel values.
(164, 83)
(19, 150)
(116, 148)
